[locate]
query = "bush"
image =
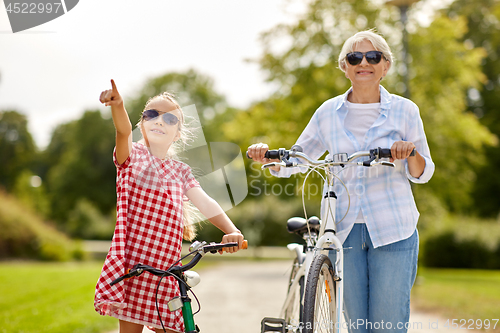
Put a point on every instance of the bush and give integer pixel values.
(86, 221)
(25, 235)
(446, 250)
(463, 243)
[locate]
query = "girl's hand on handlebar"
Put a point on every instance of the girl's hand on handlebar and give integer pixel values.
(401, 150)
(111, 97)
(235, 237)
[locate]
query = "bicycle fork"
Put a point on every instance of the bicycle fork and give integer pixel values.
(328, 241)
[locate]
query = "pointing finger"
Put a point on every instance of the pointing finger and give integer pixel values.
(113, 85)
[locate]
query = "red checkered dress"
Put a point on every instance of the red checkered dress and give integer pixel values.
(148, 230)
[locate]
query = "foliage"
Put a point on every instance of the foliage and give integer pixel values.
(444, 69)
(461, 242)
(24, 235)
(30, 191)
(50, 297)
(483, 23)
(83, 167)
(86, 221)
(446, 251)
(17, 149)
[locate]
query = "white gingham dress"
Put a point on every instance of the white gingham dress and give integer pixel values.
(148, 230)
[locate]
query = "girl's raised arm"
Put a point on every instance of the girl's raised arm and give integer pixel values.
(121, 120)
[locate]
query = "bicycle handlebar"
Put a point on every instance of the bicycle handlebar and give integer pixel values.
(338, 159)
(212, 248)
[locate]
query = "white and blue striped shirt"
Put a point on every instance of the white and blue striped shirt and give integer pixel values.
(383, 194)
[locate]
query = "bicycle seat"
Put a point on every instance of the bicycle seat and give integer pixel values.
(299, 225)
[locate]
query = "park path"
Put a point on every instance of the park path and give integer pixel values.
(236, 295)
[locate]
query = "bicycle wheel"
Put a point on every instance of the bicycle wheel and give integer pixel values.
(319, 299)
(293, 313)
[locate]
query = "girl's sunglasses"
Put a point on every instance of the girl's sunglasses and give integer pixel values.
(168, 117)
(355, 58)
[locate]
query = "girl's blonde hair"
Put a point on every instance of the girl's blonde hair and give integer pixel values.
(378, 42)
(188, 210)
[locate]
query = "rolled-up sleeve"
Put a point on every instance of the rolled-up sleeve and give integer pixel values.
(416, 134)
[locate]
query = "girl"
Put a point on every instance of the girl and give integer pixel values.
(149, 228)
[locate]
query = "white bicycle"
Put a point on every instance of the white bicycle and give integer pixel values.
(315, 290)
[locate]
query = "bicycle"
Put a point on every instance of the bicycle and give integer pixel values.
(314, 300)
(185, 278)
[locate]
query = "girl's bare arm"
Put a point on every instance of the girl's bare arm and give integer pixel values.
(121, 120)
(215, 214)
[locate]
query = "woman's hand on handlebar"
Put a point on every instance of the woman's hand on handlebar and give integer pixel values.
(257, 153)
(401, 150)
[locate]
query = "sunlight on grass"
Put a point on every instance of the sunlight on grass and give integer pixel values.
(50, 297)
(53, 297)
(458, 294)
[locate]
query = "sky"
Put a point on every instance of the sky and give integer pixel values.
(54, 72)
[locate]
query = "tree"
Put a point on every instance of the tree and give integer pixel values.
(17, 148)
(483, 30)
(83, 151)
(444, 70)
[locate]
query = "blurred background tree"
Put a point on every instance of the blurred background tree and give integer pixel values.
(483, 30)
(17, 149)
(79, 166)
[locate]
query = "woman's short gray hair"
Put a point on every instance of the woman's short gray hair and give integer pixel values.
(377, 41)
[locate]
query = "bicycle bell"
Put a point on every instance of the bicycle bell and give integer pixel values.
(191, 278)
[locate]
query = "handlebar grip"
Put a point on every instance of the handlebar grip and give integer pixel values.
(272, 154)
(386, 153)
(244, 246)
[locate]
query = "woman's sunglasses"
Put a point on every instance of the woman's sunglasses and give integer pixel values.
(168, 117)
(355, 58)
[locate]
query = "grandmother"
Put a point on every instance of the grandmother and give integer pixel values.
(379, 232)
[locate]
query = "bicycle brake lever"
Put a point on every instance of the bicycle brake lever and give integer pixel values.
(270, 165)
(374, 163)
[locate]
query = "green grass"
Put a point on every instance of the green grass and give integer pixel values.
(50, 297)
(53, 297)
(458, 294)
